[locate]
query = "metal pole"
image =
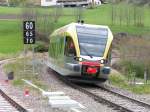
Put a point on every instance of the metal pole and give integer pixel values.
(145, 76)
(33, 63)
(24, 58)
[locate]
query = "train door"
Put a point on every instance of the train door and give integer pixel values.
(70, 51)
(69, 54)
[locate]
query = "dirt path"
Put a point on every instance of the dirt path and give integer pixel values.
(10, 17)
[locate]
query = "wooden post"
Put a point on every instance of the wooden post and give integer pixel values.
(8, 3)
(92, 3)
(145, 76)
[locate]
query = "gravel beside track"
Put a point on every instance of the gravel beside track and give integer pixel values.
(114, 92)
(126, 104)
(37, 103)
(141, 97)
(10, 101)
(56, 84)
(112, 98)
(98, 97)
(119, 100)
(5, 106)
(33, 103)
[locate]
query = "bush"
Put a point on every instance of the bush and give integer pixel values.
(134, 55)
(117, 79)
(41, 47)
(128, 67)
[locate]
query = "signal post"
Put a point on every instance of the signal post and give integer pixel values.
(29, 39)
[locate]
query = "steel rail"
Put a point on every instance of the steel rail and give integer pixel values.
(94, 96)
(12, 102)
(144, 104)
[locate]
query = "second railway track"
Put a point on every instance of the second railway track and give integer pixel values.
(117, 101)
(7, 104)
(108, 89)
(132, 105)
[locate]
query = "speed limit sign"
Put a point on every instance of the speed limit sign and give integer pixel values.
(29, 32)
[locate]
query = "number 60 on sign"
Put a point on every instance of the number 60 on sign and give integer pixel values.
(29, 32)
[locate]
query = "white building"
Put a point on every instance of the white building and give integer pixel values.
(69, 2)
(48, 2)
(96, 2)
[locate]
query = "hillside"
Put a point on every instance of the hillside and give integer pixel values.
(11, 31)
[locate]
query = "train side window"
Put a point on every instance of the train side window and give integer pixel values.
(69, 47)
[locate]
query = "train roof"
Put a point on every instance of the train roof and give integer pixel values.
(70, 26)
(87, 25)
(72, 29)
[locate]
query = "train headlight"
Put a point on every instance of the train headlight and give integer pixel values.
(80, 59)
(102, 61)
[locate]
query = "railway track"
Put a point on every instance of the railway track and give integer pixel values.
(108, 89)
(9, 105)
(131, 104)
(117, 101)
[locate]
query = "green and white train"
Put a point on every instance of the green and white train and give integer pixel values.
(81, 52)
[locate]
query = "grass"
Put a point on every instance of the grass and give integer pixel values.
(17, 67)
(10, 38)
(10, 10)
(131, 30)
(102, 16)
(116, 78)
(99, 15)
(11, 31)
(120, 81)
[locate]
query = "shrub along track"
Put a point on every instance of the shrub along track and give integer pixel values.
(108, 97)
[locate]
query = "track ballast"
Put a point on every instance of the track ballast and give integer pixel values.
(9, 104)
(103, 95)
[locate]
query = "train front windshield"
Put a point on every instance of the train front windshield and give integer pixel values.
(92, 41)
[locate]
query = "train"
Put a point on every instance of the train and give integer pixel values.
(81, 52)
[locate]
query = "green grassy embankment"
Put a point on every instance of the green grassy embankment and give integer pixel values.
(10, 38)
(10, 31)
(119, 80)
(10, 10)
(18, 66)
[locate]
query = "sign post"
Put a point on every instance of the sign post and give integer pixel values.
(29, 38)
(29, 32)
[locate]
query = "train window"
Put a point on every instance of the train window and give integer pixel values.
(69, 47)
(92, 41)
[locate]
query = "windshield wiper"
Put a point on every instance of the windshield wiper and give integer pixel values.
(86, 51)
